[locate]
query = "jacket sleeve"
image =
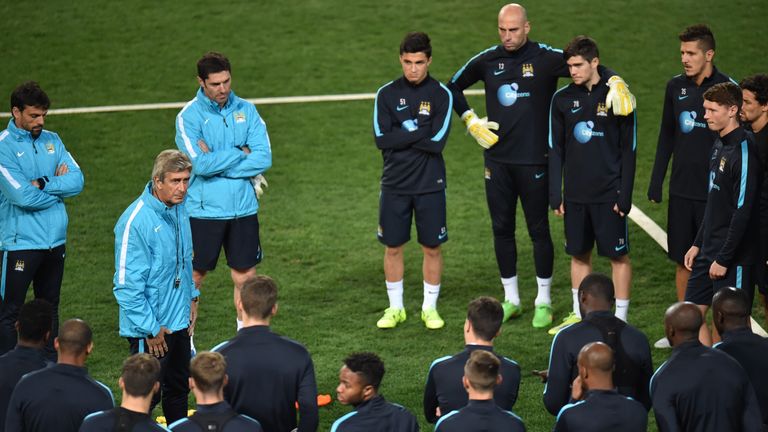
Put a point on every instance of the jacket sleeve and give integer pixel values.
(628, 137)
(646, 372)
(260, 158)
(745, 183)
(132, 268)
(387, 132)
(557, 391)
(19, 191)
(469, 74)
(664, 409)
(69, 184)
(188, 133)
(307, 399)
(664, 148)
(430, 399)
(555, 157)
(439, 126)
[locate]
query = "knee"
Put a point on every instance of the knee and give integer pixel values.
(393, 252)
(239, 277)
(432, 252)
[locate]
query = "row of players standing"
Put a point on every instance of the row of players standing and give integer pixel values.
(573, 138)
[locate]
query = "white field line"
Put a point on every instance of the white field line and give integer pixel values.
(256, 101)
(660, 236)
(637, 215)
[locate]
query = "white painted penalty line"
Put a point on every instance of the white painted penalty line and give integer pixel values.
(255, 101)
(660, 236)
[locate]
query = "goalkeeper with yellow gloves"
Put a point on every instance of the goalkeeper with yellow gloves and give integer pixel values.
(520, 77)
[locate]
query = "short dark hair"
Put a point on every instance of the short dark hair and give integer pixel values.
(29, 94)
(725, 93)
(212, 62)
(74, 336)
(368, 366)
(486, 316)
(35, 320)
(416, 42)
(208, 369)
(757, 84)
(258, 295)
(699, 33)
(140, 373)
(732, 302)
(482, 370)
(599, 286)
(583, 46)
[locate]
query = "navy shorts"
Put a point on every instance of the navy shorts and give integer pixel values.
(396, 211)
(239, 237)
(701, 288)
(587, 224)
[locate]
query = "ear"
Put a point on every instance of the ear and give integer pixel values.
(201, 82)
(47, 336)
(467, 326)
(274, 310)
(191, 382)
(226, 380)
(595, 62)
(16, 112)
(709, 55)
(499, 379)
(56, 343)
(465, 383)
(156, 387)
(733, 111)
(121, 383)
(89, 349)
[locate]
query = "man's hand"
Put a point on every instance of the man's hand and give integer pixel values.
(203, 146)
(437, 412)
(480, 129)
(577, 389)
(192, 317)
(560, 211)
(619, 97)
(410, 125)
(35, 184)
(157, 346)
(690, 256)
(543, 374)
(61, 169)
(716, 271)
(259, 183)
(246, 149)
(617, 211)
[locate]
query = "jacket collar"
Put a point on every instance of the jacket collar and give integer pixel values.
(205, 100)
(18, 133)
(152, 201)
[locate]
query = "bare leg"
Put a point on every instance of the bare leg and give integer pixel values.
(432, 266)
(681, 281)
(704, 336)
(621, 269)
(239, 277)
(581, 267)
(393, 263)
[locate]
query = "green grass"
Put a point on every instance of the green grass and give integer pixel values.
(320, 214)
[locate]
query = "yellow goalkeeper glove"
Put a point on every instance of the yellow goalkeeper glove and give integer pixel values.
(259, 183)
(480, 129)
(619, 97)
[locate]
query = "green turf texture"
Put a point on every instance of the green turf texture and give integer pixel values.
(319, 215)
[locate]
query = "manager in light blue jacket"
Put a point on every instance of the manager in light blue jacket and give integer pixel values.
(153, 278)
(227, 141)
(36, 174)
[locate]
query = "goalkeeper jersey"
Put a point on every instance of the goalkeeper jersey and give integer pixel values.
(729, 231)
(413, 159)
(518, 88)
(590, 149)
(685, 135)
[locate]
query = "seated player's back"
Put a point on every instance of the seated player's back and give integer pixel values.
(57, 398)
(705, 387)
(603, 411)
(445, 378)
(377, 415)
(267, 373)
(751, 351)
(480, 416)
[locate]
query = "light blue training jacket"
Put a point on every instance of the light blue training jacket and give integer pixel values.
(220, 187)
(153, 248)
(31, 218)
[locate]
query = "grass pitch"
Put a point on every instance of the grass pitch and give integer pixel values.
(319, 216)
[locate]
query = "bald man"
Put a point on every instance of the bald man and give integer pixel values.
(598, 406)
(700, 388)
(520, 77)
(730, 314)
(59, 397)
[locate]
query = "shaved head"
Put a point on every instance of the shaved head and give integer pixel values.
(597, 356)
(75, 336)
(513, 10)
(684, 319)
(730, 309)
(513, 26)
